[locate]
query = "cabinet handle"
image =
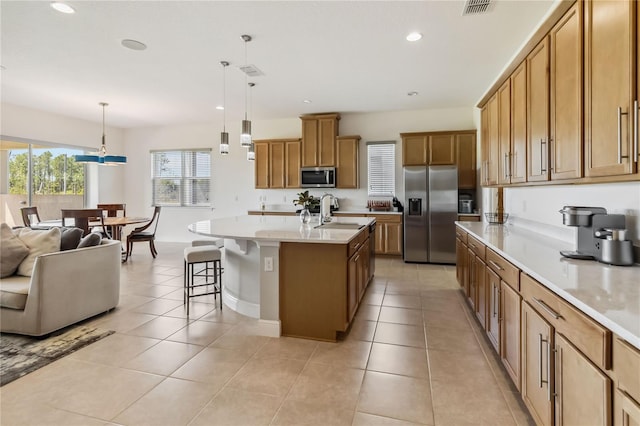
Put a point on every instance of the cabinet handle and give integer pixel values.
(496, 295)
(473, 245)
(547, 308)
(620, 114)
(496, 265)
(635, 131)
(540, 340)
(542, 142)
(506, 160)
(510, 164)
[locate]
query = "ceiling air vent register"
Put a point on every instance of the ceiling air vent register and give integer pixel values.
(474, 7)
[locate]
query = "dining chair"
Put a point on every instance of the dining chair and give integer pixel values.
(82, 217)
(113, 210)
(143, 233)
(28, 214)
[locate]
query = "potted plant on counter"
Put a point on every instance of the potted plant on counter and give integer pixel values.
(304, 200)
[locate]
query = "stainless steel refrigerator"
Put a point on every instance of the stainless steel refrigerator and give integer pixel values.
(431, 208)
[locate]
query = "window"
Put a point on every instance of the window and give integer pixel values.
(381, 160)
(181, 177)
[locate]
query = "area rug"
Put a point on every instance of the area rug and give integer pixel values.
(20, 355)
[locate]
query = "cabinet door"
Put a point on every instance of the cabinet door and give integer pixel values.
(609, 49)
(493, 150)
(292, 165)
(393, 238)
(484, 143)
(309, 142)
(466, 160)
(583, 392)
(538, 112)
(566, 95)
(473, 286)
(352, 287)
(415, 150)
(493, 308)
(504, 132)
(461, 261)
(518, 159)
(537, 366)
(362, 269)
(482, 293)
(626, 410)
(327, 132)
(442, 150)
(276, 165)
(510, 331)
(347, 162)
(261, 165)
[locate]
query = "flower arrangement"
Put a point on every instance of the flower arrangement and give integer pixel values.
(304, 199)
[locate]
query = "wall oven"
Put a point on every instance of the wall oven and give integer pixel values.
(318, 177)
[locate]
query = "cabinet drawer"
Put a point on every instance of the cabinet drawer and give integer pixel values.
(461, 234)
(584, 333)
(626, 366)
(509, 273)
(357, 242)
(476, 246)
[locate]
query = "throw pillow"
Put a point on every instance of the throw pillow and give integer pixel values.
(70, 238)
(90, 240)
(39, 241)
(12, 251)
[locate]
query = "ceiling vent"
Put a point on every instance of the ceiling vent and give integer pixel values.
(251, 70)
(474, 7)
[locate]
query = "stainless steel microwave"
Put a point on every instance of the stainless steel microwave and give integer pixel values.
(318, 177)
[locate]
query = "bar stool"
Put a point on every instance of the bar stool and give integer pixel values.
(212, 276)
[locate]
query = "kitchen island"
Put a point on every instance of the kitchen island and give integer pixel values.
(298, 279)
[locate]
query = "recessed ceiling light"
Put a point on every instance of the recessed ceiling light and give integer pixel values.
(62, 7)
(133, 44)
(220, 107)
(415, 36)
(412, 94)
(307, 101)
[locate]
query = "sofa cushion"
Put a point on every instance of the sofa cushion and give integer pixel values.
(39, 241)
(12, 251)
(70, 238)
(14, 291)
(90, 240)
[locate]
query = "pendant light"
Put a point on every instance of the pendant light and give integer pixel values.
(245, 135)
(102, 157)
(251, 153)
(224, 136)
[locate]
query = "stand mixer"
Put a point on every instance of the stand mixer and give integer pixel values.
(601, 236)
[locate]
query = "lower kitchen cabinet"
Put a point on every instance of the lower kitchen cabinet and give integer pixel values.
(626, 370)
(388, 234)
(462, 273)
(537, 366)
(510, 331)
(492, 325)
(627, 411)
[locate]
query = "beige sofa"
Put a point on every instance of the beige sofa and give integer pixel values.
(64, 288)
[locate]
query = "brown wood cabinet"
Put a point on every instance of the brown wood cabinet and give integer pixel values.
(517, 159)
(388, 238)
(538, 113)
(462, 255)
(510, 331)
(277, 163)
(626, 370)
(428, 148)
(348, 148)
(566, 125)
(492, 325)
(466, 159)
(504, 133)
(491, 143)
(609, 54)
(626, 410)
(319, 134)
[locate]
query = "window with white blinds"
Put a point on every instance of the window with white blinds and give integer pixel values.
(381, 160)
(181, 177)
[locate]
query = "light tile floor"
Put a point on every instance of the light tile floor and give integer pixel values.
(414, 355)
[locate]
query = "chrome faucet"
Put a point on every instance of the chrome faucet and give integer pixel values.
(325, 212)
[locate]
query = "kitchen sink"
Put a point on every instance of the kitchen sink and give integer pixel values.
(341, 225)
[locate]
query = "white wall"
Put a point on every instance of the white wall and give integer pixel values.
(233, 186)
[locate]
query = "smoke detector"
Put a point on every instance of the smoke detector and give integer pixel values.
(474, 7)
(251, 70)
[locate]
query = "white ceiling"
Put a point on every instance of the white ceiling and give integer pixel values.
(345, 56)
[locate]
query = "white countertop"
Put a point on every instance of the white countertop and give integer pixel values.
(278, 228)
(362, 211)
(608, 294)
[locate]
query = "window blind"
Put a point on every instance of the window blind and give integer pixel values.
(181, 177)
(381, 171)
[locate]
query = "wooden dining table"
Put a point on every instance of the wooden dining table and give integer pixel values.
(114, 223)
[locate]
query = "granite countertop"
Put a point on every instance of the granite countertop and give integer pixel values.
(280, 229)
(608, 294)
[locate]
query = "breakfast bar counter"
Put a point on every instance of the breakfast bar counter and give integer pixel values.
(257, 273)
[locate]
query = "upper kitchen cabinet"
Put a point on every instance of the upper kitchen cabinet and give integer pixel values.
(428, 148)
(538, 112)
(504, 133)
(466, 159)
(566, 138)
(609, 82)
(517, 158)
(348, 148)
(319, 139)
(490, 142)
(277, 163)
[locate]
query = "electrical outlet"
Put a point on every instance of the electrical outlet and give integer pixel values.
(268, 264)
